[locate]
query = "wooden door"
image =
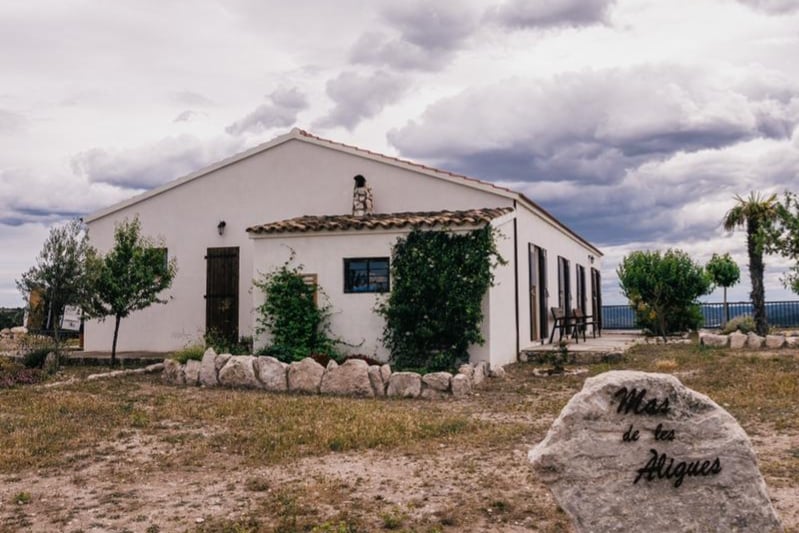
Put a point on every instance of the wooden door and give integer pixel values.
(537, 261)
(564, 286)
(543, 293)
(580, 289)
(222, 292)
(596, 298)
(532, 262)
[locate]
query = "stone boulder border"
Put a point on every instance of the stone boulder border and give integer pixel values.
(738, 341)
(354, 377)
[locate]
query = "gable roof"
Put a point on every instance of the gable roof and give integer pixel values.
(428, 219)
(304, 136)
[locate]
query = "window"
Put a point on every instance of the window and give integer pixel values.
(366, 274)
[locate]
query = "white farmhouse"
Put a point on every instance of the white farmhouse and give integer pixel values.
(340, 209)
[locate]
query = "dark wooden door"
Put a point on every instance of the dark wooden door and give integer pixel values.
(543, 293)
(596, 298)
(564, 286)
(537, 261)
(580, 288)
(222, 292)
(532, 262)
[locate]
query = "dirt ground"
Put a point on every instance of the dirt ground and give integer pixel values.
(135, 481)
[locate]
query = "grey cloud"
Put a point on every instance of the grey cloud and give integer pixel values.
(429, 36)
(590, 126)
(188, 116)
(360, 97)
(285, 104)
(552, 13)
(11, 122)
(191, 98)
(378, 49)
(679, 198)
(772, 7)
(151, 165)
(30, 197)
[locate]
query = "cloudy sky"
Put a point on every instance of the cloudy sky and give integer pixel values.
(633, 121)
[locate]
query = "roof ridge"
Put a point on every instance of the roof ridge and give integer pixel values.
(305, 133)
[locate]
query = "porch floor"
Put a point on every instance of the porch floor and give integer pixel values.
(611, 346)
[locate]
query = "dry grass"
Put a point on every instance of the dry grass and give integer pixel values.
(298, 463)
(53, 427)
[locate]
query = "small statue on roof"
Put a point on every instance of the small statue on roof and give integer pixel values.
(362, 201)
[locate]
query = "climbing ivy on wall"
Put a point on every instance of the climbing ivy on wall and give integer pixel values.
(298, 327)
(434, 311)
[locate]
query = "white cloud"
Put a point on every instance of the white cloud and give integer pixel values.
(154, 164)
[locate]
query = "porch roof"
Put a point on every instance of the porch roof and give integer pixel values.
(303, 224)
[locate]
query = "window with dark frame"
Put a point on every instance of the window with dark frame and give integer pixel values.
(369, 274)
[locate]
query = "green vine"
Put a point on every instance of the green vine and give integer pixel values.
(297, 326)
(434, 310)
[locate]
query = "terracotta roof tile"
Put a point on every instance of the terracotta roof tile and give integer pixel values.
(473, 217)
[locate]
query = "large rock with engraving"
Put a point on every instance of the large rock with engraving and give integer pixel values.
(635, 451)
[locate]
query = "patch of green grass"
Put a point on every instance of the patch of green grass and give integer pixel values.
(194, 352)
(393, 518)
(21, 498)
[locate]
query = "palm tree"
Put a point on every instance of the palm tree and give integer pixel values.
(757, 213)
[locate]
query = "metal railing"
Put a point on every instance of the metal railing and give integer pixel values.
(784, 314)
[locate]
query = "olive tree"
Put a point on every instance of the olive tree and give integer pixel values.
(663, 289)
(785, 237)
(725, 273)
(60, 272)
(130, 277)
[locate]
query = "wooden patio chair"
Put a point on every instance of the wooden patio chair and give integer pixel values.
(563, 324)
(582, 321)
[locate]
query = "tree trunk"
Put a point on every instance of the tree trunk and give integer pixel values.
(114, 345)
(53, 315)
(726, 311)
(756, 274)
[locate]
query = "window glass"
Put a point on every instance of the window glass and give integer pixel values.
(366, 275)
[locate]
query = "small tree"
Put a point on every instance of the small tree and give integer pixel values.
(60, 272)
(725, 273)
(758, 214)
(434, 310)
(297, 325)
(785, 237)
(663, 289)
(129, 277)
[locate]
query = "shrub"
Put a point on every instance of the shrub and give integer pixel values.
(13, 373)
(742, 323)
(35, 358)
(297, 325)
(222, 344)
(434, 310)
(194, 351)
(558, 357)
(663, 290)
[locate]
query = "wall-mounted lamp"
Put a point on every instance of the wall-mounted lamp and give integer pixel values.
(590, 257)
(221, 227)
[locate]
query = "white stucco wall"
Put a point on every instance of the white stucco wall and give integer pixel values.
(292, 179)
(533, 229)
(353, 318)
(500, 348)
